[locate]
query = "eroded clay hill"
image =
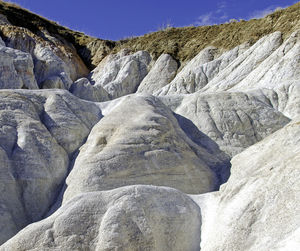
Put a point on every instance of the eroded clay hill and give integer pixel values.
(182, 139)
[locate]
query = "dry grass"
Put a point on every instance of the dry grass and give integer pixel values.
(182, 43)
(35, 23)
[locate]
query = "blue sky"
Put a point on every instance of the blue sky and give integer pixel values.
(117, 19)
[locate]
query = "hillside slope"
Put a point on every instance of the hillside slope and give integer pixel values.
(181, 43)
(182, 139)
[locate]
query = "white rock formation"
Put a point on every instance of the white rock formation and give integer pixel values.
(68, 119)
(16, 69)
(161, 74)
(288, 96)
(243, 65)
(35, 163)
(51, 57)
(48, 65)
(83, 88)
(206, 73)
(234, 120)
(257, 209)
(12, 214)
(128, 218)
(37, 132)
(91, 166)
(1, 40)
(185, 80)
(200, 70)
(281, 67)
(139, 142)
(121, 74)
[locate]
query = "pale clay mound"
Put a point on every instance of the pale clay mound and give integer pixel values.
(258, 208)
(120, 157)
(127, 218)
(153, 218)
(140, 142)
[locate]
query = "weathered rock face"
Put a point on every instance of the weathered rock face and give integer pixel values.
(200, 70)
(3, 20)
(243, 65)
(52, 58)
(117, 75)
(35, 163)
(163, 71)
(96, 169)
(121, 74)
(257, 209)
(83, 88)
(12, 214)
(288, 96)
(233, 120)
(48, 64)
(37, 132)
(140, 142)
(128, 218)
(68, 119)
(16, 69)
(1, 41)
(281, 67)
(227, 71)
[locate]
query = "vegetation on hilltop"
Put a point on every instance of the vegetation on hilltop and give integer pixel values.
(20, 17)
(182, 43)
